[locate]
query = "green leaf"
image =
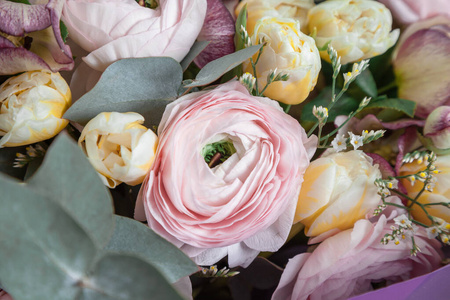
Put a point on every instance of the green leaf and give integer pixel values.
(126, 277)
(241, 21)
(215, 69)
(343, 106)
(47, 252)
(64, 31)
(406, 106)
(367, 84)
(21, 1)
(64, 170)
(43, 249)
(142, 85)
(133, 237)
(196, 49)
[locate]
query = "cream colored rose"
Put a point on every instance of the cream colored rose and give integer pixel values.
(357, 29)
(31, 107)
(257, 9)
(338, 190)
(119, 147)
(441, 190)
(289, 51)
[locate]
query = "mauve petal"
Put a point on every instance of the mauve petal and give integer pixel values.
(218, 28)
(16, 60)
(385, 168)
(63, 55)
(17, 18)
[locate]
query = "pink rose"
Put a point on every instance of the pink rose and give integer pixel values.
(114, 29)
(241, 206)
(347, 263)
(410, 11)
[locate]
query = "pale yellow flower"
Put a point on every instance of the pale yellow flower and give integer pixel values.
(31, 107)
(290, 52)
(119, 147)
(357, 29)
(441, 190)
(338, 190)
(257, 9)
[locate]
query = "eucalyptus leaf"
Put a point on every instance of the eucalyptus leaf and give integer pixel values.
(142, 85)
(48, 253)
(406, 106)
(344, 106)
(196, 49)
(367, 84)
(43, 249)
(215, 69)
(133, 237)
(64, 169)
(126, 277)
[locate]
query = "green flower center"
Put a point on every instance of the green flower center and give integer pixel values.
(218, 152)
(148, 3)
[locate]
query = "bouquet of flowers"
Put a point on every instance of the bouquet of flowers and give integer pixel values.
(220, 149)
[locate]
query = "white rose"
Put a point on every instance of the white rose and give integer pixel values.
(31, 107)
(357, 29)
(119, 147)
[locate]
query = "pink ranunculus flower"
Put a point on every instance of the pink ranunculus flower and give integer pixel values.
(347, 263)
(114, 29)
(410, 11)
(241, 206)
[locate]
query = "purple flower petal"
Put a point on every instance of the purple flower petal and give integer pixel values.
(218, 28)
(17, 18)
(46, 50)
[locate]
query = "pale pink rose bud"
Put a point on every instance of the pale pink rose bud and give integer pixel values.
(238, 202)
(422, 64)
(347, 263)
(116, 29)
(119, 147)
(437, 127)
(338, 191)
(410, 11)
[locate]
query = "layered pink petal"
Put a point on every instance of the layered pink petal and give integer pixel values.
(242, 206)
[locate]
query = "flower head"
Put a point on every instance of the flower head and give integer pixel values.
(31, 107)
(226, 176)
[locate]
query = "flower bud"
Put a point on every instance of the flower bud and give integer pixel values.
(357, 29)
(437, 127)
(440, 191)
(290, 52)
(338, 190)
(119, 148)
(422, 64)
(31, 107)
(257, 9)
